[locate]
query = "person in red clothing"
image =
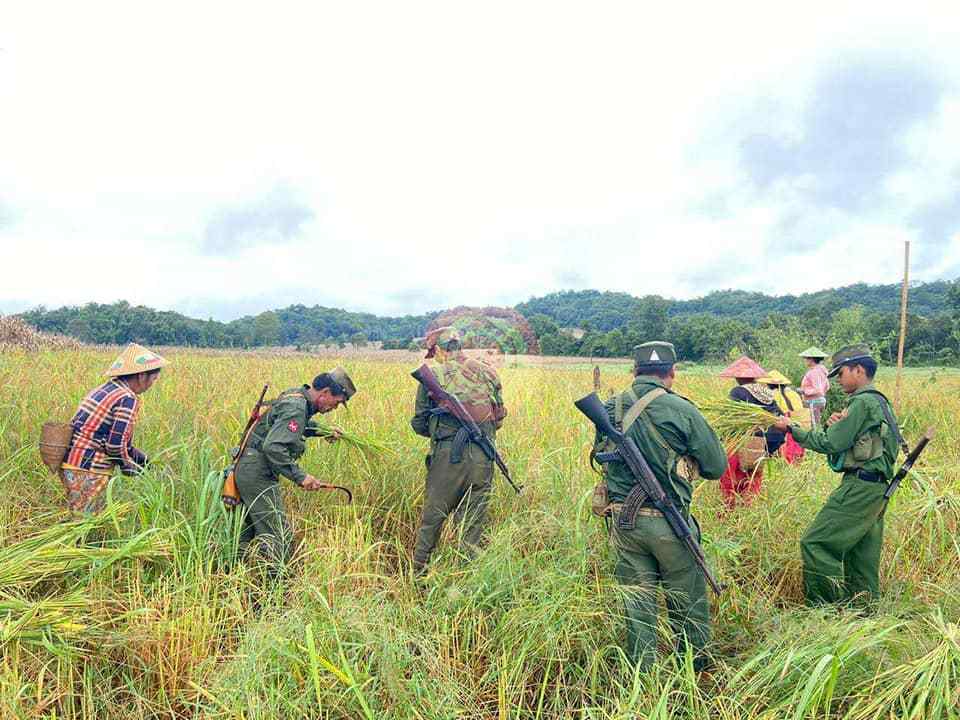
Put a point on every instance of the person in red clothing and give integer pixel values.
(738, 485)
(102, 430)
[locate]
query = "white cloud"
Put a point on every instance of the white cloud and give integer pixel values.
(448, 152)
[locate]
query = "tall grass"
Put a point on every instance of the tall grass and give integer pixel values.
(530, 629)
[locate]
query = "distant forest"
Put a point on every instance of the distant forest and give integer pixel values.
(586, 323)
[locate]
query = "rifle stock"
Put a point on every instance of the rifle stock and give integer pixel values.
(630, 454)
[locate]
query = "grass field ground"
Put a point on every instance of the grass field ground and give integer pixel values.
(164, 625)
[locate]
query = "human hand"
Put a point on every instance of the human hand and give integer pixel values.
(836, 417)
(782, 424)
(335, 434)
(311, 483)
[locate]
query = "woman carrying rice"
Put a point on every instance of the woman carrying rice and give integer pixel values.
(744, 476)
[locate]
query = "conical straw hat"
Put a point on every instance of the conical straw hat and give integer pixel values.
(135, 359)
(774, 377)
(813, 352)
(743, 368)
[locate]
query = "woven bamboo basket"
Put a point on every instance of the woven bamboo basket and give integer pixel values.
(54, 442)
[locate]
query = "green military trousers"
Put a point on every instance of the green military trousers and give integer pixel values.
(460, 488)
(265, 519)
(841, 549)
(650, 557)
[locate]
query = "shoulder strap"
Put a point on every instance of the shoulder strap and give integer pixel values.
(640, 405)
(618, 416)
(891, 421)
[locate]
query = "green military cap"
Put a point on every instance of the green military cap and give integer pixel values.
(656, 352)
(440, 336)
(847, 355)
(340, 377)
(814, 353)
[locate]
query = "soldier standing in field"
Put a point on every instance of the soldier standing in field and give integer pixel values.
(459, 474)
(679, 445)
(841, 549)
(276, 444)
(103, 429)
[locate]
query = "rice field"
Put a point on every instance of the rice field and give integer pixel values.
(143, 613)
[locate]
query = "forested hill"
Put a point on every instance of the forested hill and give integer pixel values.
(705, 328)
(611, 310)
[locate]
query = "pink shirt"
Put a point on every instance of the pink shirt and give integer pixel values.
(815, 383)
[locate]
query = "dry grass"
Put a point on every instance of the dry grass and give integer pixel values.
(529, 630)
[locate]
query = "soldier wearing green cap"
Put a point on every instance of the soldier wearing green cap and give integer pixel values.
(277, 442)
(679, 446)
(841, 549)
(459, 474)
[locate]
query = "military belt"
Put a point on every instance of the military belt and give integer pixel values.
(642, 511)
(870, 476)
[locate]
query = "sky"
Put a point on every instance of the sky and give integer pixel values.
(221, 159)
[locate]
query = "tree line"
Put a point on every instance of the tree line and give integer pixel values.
(583, 323)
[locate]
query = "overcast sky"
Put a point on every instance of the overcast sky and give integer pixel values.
(398, 157)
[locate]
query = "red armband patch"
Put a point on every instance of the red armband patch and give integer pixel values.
(293, 426)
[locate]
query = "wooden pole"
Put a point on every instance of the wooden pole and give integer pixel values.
(903, 322)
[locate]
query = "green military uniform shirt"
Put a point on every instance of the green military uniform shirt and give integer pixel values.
(280, 435)
(682, 427)
(864, 415)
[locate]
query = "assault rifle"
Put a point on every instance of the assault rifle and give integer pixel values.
(628, 452)
(908, 464)
(229, 494)
(452, 405)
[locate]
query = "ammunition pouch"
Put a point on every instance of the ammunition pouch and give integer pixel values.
(600, 500)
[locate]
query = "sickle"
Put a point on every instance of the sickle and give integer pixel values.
(341, 489)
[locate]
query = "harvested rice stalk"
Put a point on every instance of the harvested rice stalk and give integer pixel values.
(735, 422)
(363, 444)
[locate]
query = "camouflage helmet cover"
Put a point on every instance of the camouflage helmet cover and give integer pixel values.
(440, 336)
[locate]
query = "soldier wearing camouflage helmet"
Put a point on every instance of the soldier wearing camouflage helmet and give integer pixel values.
(679, 445)
(841, 548)
(276, 444)
(459, 474)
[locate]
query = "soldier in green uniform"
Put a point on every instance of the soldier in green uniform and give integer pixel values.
(841, 549)
(459, 474)
(679, 445)
(276, 444)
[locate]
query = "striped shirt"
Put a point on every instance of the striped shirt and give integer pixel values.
(102, 428)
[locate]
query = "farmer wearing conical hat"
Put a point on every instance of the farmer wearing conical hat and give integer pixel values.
(789, 402)
(459, 474)
(744, 476)
(841, 548)
(276, 444)
(680, 447)
(815, 384)
(103, 427)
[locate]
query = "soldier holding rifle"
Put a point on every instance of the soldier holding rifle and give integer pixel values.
(662, 443)
(462, 452)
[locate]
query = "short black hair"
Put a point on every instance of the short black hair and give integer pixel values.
(868, 364)
(816, 360)
(661, 370)
(325, 380)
